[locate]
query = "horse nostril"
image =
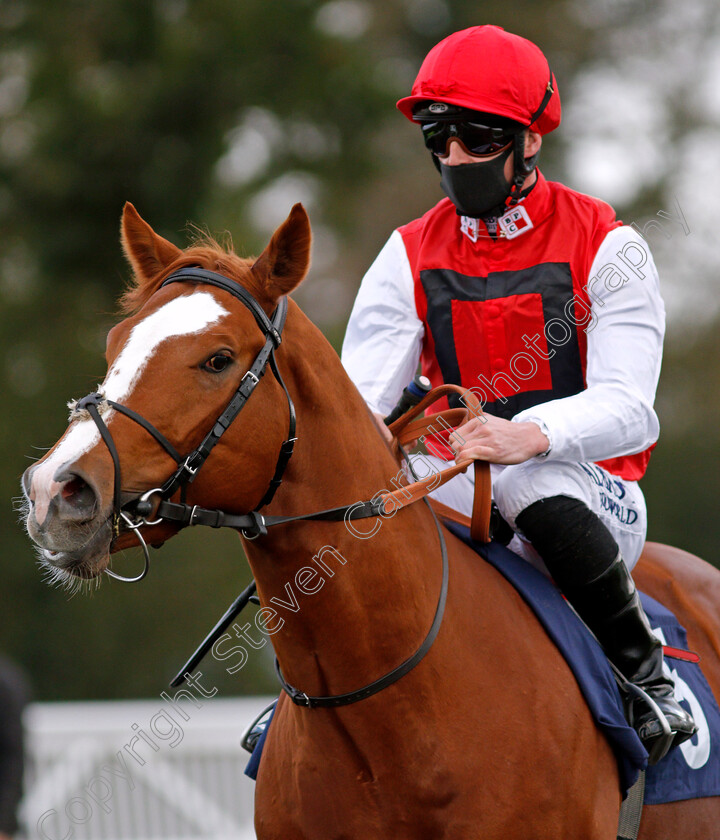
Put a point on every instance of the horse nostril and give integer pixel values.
(73, 489)
(77, 495)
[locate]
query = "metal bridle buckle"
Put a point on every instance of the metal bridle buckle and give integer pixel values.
(186, 466)
(259, 528)
(252, 376)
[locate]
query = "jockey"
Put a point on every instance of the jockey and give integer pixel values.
(538, 300)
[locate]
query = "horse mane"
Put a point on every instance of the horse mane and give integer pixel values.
(206, 252)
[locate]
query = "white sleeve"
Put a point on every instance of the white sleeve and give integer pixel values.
(384, 335)
(614, 416)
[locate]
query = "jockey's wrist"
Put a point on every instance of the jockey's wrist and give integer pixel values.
(543, 438)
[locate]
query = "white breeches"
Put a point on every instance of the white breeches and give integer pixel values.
(620, 504)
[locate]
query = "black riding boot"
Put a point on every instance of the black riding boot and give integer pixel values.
(584, 560)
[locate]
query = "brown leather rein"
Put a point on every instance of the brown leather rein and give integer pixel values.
(407, 429)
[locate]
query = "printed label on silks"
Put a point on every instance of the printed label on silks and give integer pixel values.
(470, 227)
(515, 222)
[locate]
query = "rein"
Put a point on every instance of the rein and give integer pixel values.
(135, 514)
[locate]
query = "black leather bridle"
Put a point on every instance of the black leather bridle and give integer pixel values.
(135, 514)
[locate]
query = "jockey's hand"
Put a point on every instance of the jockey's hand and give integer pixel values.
(498, 441)
(384, 431)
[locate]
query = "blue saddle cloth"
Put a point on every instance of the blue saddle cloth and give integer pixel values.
(254, 764)
(690, 771)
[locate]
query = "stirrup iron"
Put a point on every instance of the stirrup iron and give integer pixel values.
(664, 742)
(253, 733)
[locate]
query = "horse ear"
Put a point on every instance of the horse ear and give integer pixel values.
(147, 253)
(284, 263)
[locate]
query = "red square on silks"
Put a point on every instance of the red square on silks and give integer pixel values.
(489, 341)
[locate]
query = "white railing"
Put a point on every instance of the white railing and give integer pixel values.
(139, 770)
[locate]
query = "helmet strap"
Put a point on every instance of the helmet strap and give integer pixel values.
(524, 167)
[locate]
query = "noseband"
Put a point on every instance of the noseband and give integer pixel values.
(135, 514)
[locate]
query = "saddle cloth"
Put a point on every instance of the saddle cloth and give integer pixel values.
(687, 772)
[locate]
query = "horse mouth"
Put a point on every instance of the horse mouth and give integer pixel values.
(68, 566)
(67, 563)
(66, 571)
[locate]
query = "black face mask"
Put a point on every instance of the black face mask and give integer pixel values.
(477, 189)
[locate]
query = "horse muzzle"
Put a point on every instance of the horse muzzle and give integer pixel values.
(66, 520)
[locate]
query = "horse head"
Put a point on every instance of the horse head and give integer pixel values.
(175, 361)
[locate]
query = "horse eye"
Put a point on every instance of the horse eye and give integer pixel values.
(217, 363)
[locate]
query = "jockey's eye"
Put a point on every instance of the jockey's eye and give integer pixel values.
(217, 363)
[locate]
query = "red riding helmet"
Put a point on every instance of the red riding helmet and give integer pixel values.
(487, 69)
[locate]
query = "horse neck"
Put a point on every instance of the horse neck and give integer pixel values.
(374, 598)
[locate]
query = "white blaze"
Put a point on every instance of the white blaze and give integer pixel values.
(186, 315)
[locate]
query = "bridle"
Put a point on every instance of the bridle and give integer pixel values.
(136, 513)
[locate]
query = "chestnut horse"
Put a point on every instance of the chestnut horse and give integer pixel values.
(489, 736)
